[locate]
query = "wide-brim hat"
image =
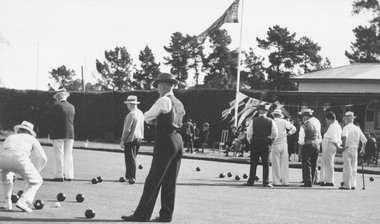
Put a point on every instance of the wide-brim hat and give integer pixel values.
(165, 77)
(61, 92)
(26, 126)
(307, 112)
(349, 114)
(263, 107)
(132, 99)
(277, 112)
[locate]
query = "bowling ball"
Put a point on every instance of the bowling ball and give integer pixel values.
(237, 177)
(140, 166)
(257, 178)
(198, 169)
(61, 197)
(79, 198)
(100, 179)
(319, 168)
(94, 181)
(38, 204)
(122, 179)
(341, 184)
(20, 192)
(222, 175)
(14, 198)
(229, 174)
(89, 213)
(371, 179)
(245, 176)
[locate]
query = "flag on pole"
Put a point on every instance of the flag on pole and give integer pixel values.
(229, 16)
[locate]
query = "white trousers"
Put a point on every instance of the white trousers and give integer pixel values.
(12, 161)
(350, 166)
(63, 158)
(327, 166)
(280, 164)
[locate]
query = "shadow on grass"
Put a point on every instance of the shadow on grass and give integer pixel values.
(50, 220)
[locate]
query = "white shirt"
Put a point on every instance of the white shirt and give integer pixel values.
(282, 127)
(353, 135)
(162, 106)
(133, 126)
(26, 143)
(334, 133)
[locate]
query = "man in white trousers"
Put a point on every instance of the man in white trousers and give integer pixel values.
(61, 117)
(280, 155)
(331, 142)
(15, 158)
(351, 136)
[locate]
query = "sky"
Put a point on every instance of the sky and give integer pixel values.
(37, 36)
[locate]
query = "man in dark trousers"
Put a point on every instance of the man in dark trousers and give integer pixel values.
(133, 133)
(167, 113)
(61, 118)
(261, 133)
(310, 141)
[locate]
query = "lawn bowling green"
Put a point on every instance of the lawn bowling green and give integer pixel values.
(202, 197)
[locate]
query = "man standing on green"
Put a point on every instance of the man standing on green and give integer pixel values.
(133, 133)
(61, 117)
(167, 113)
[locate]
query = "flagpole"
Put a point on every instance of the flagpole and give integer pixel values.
(238, 72)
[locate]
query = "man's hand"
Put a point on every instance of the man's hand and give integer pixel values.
(122, 144)
(362, 152)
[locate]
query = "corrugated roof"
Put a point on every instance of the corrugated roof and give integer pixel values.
(352, 71)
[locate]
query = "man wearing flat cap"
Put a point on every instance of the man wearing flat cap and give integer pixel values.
(351, 136)
(133, 133)
(261, 133)
(61, 119)
(310, 141)
(167, 114)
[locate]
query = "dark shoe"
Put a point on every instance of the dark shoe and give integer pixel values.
(344, 188)
(57, 179)
(305, 185)
(268, 185)
(68, 179)
(329, 184)
(248, 184)
(133, 218)
(159, 219)
(353, 188)
(320, 183)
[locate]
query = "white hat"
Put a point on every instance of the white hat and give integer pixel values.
(349, 114)
(61, 92)
(132, 99)
(26, 126)
(307, 112)
(278, 112)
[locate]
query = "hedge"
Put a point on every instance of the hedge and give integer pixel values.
(100, 115)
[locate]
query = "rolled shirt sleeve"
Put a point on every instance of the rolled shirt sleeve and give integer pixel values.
(162, 105)
(301, 136)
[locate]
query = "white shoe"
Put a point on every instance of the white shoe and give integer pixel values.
(7, 205)
(21, 204)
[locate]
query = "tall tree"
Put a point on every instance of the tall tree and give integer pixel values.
(254, 78)
(62, 76)
(283, 56)
(178, 58)
(219, 64)
(310, 60)
(366, 48)
(366, 5)
(195, 53)
(150, 69)
(116, 71)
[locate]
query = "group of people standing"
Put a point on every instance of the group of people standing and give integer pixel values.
(268, 138)
(193, 137)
